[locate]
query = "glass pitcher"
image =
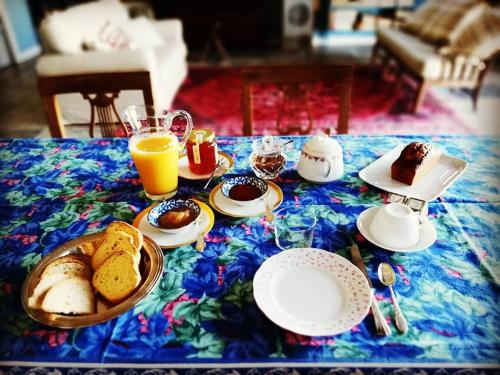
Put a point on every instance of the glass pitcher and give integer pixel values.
(155, 148)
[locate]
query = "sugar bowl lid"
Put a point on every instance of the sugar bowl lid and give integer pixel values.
(268, 145)
(322, 145)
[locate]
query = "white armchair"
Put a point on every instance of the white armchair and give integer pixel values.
(447, 43)
(94, 50)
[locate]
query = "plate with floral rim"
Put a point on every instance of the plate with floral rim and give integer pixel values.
(312, 292)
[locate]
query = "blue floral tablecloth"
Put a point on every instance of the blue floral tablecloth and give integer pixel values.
(202, 315)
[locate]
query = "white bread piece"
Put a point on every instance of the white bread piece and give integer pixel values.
(68, 261)
(135, 233)
(113, 242)
(117, 277)
(55, 272)
(72, 295)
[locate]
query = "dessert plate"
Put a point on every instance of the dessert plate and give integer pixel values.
(227, 163)
(224, 205)
(427, 232)
(150, 267)
(428, 188)
(312, 292)
(173, 240)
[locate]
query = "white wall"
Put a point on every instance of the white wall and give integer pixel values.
(19, 31)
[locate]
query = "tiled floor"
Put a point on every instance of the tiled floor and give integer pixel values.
(21, 113)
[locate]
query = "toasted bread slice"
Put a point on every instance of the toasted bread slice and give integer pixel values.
(113, 242)
(135, 233)
(117, 277)
(72, 295)
(89, 248)
(67, 266)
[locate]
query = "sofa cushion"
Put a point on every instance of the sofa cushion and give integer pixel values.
(129, 34)
(450, 19)
(65, 31)
(480, 39)
(109, 38)
(416, 22)
(420, 57)
(141, 32)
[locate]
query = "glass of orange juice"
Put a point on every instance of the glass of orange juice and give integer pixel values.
(155, 148)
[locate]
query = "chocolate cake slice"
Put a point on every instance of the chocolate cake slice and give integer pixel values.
(416, 160)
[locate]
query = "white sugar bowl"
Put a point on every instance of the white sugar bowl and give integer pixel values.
(321, 160)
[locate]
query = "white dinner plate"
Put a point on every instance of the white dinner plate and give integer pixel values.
(224, 205)
(428, 188)
(174, 240)
(427, 232)
(312, 292)
(184, 171)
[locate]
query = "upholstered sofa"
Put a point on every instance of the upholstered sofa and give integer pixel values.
(446, 42)
(94, 53)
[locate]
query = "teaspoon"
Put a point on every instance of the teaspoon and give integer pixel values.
(219, 163)
(388, 278)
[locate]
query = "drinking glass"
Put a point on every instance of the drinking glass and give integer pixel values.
(294, 228)
(155, 149)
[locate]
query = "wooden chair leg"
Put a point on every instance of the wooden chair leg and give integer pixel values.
(375, 53)
(147, 95)
(420, 95)
(385, 66)
(475, 97)
(476, 90)
(247, 107)
(398, 80)
(51, 108)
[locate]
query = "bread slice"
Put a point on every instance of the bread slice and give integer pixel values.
(67, 266)
(135, 233)
(89, 248)
(117, 277)
(113, 242)
(66, 262)
(72, 295)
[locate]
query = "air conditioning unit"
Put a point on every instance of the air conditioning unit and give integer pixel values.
(297, 22)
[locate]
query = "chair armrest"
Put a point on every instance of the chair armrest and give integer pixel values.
(169, 29)
(96, 62)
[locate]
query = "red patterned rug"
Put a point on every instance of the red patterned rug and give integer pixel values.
(213, 97)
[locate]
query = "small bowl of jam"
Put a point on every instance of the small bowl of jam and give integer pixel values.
(174, 215)
(244, 190)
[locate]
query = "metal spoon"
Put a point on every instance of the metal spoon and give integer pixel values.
(219, 163)
(200, 242)
(388, 278)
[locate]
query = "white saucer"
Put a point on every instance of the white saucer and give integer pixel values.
(184, 171)
(173, 240)
(312, 292)
(225, 206)
(427, 233)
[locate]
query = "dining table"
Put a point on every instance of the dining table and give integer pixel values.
(202, 317)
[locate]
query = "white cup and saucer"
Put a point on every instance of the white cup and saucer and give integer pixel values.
(396, 227)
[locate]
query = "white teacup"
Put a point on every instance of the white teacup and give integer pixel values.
(395, 225)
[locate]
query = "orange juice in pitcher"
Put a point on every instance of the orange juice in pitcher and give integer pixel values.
(155, 151)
